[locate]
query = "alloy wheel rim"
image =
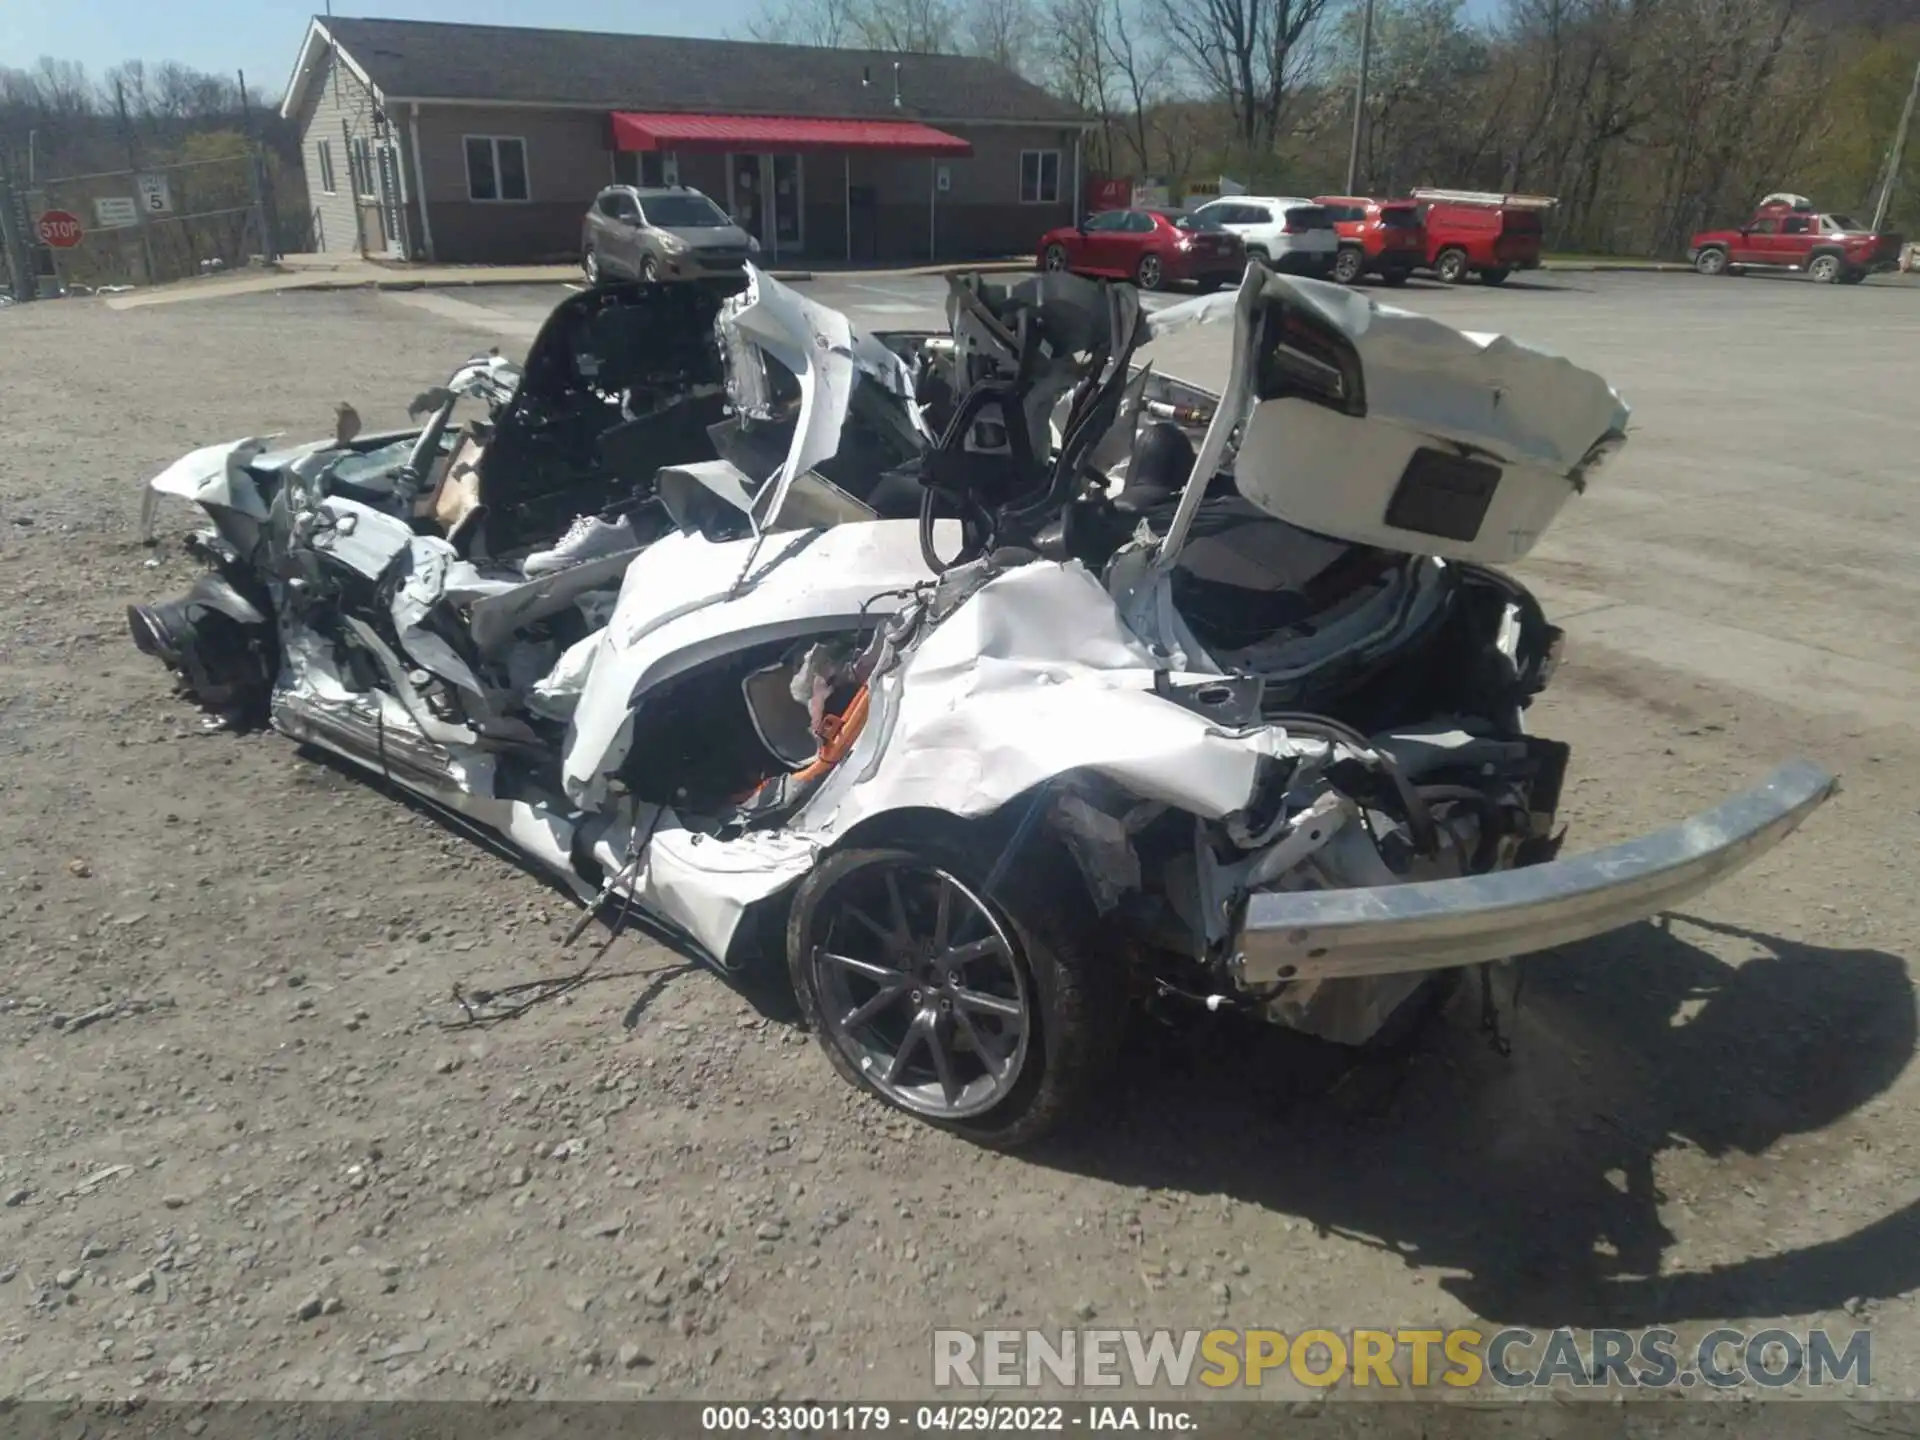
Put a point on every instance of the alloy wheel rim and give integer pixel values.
(920, 987)
(1150, 272)
(1056, 258)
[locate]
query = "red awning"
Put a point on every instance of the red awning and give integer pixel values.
(774, 133)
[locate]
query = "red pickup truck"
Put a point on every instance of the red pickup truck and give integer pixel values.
(1787, 233)
(1481, 232)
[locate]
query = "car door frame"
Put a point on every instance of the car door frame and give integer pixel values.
(1096, 247)
(624, 234)
(1748, 252)
(1795, 247)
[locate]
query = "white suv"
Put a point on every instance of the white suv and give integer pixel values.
(1287, 233)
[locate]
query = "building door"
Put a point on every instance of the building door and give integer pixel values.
(863, 220)
(789, 220)
(765, 198)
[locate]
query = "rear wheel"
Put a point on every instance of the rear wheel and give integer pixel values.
(1826, 269)
(1348, 266)
(1496, 276)
(1149, 274)
(1451, 266)
(1711, 261)
(973, 1010)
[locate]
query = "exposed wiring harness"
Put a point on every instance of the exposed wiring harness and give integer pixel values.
(1426, 835)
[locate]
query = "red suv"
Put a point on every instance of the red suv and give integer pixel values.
(1481, 232)
(1377, 237)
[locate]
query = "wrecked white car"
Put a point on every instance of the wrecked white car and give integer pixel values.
(988, 680)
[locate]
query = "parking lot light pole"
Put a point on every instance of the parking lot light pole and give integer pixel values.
(1893, 159)
(1360, 99)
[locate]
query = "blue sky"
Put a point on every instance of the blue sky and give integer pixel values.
(261, 36)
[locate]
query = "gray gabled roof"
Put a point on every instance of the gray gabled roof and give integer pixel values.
(430, 60)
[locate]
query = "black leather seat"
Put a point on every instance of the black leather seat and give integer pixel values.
(1162, 459)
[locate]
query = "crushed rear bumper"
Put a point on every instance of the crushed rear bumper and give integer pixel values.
(1440, 924)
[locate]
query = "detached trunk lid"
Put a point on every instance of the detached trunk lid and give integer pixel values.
(1370, 424)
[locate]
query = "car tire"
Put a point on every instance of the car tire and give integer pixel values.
(1712, 261)
(1149, 274)
(590, 266)
(1451, 266)
(1055, 259)
(1496, 276)
(1348, 266)
(1825, 269)
(650, 270)
(1069, 997)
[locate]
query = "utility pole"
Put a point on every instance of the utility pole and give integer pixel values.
(1360, 99)
(133, 166)
(1899, 150)
(12, 241)
(257, 178)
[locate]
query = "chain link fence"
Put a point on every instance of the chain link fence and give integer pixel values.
(162, 222)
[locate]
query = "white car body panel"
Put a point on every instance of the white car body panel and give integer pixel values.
(686, 600)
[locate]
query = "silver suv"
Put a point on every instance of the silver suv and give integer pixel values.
(668, 234)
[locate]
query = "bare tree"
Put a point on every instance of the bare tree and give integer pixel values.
(1075, 59)
(1251, 54)
(907, 27)
(1005, 32)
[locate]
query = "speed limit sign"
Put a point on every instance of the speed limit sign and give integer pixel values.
(155, 196)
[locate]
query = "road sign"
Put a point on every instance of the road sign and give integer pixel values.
(115, 212)
(59, 229)
(155, 196)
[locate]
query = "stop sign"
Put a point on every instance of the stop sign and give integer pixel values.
(60, 229)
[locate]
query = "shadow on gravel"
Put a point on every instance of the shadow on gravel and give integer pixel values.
(1531, 1177)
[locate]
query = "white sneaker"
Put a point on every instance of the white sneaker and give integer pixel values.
(588, 538)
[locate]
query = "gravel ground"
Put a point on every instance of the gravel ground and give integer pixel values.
(243, 1154)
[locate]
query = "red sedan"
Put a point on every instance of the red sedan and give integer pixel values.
(1152, 248)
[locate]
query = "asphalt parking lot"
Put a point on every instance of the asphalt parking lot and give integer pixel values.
(242, 1152)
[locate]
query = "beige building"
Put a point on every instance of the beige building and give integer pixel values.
(483, 143)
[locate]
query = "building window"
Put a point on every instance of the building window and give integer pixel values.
(360, 167)
(323, 151)
(1039, 177)
(496, 167)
